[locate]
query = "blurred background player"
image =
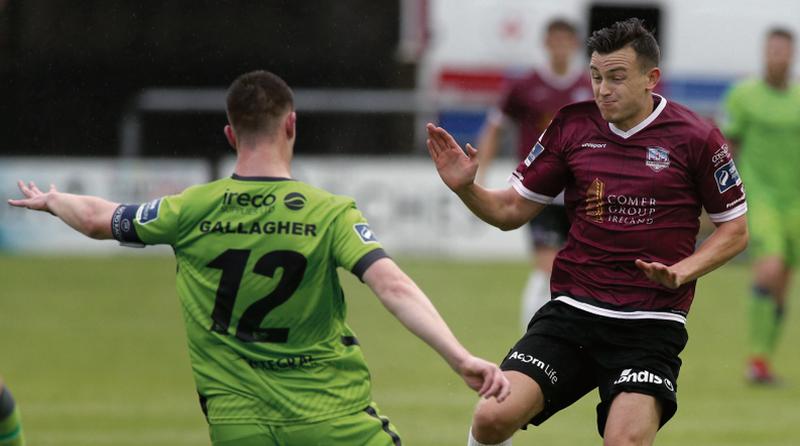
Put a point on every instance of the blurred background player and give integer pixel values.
(10, 422)
(273, 359)
(530, 103)
(763, 122)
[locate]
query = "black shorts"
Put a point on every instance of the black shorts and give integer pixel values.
(569, 352)
(549, 228)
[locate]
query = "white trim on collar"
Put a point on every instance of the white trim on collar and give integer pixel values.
(627, 134)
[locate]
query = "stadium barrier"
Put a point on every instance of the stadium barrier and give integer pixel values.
(408, 207)
(121, 180)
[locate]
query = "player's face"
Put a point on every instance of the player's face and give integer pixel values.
(561, 46)
(621, 88)
(778, 56)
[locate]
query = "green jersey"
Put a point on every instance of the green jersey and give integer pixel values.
(766, 122)
(260, 296)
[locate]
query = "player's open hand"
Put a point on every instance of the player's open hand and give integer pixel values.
(456, 167)
(660, 273)
(34, 198)
(485, 378)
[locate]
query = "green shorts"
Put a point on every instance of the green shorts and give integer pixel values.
(364, 428)
(774, 230)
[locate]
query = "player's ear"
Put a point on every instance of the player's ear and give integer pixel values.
(230, 136)
(653, 76)
(289, 125)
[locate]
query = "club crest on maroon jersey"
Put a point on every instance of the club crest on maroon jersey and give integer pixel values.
(657, 158)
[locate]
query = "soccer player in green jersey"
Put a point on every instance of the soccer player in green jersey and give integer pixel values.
(11, 433)
(273, 359)
(763, 120)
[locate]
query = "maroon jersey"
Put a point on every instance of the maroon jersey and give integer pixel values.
(630, 194)
(533, 101)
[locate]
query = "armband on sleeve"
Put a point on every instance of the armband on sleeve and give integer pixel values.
(122, 227)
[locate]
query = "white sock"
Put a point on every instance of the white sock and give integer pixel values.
(473, 442)
(535, 294)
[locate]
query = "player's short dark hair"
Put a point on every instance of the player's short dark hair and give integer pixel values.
(560, 24)
(781, 32)
(256, 100)
(627, 32)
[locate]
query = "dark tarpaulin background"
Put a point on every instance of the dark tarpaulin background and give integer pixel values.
(68, 69)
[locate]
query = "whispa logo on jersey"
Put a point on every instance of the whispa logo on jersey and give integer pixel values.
(535, 151)
(657, 158)
(294, 201)
(727, 177)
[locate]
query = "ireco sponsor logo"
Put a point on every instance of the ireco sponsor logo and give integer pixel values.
(727, 176)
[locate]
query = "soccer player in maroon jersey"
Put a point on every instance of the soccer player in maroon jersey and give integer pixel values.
(636, 170)
(530, 103)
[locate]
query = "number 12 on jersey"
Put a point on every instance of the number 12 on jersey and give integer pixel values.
(233, 262)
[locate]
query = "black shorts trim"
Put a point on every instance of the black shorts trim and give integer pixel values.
(384, 425)
(607, 311)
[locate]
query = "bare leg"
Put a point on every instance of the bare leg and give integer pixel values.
(495, 422)
(633, 420)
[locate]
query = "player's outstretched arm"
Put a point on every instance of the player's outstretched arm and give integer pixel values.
(88, 215)
(401, 296)
(503, 208)
(727, 240)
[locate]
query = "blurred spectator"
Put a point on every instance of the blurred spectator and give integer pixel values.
(763, 122)
(530, 103)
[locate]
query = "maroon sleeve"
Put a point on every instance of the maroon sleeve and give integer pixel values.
(510, 103)
(720, 187)
(542, 174)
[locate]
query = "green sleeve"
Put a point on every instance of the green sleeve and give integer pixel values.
(355, 246)
(156, 222)
(735, 113)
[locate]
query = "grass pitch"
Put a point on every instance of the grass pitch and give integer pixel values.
(94, 351)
